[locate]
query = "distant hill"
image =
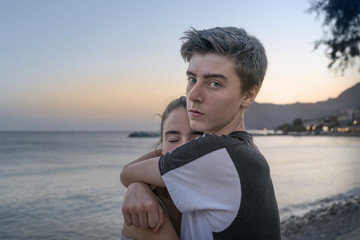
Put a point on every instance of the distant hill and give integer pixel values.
(267, 115)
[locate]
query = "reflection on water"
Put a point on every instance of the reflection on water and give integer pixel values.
(309, 168)
(63, 185)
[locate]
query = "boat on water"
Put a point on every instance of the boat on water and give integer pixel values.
(144, 134)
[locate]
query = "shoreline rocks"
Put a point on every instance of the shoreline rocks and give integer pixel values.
(327, 222)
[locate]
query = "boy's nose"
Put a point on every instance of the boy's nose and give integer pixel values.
(195, 93)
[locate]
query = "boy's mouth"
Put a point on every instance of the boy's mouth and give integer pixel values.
(195, 113)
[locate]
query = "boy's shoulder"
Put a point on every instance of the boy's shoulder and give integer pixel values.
(207, 146)
(237, 137)
(211, 142)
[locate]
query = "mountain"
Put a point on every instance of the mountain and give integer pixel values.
(267, 115)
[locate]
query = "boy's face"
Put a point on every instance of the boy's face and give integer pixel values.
(214, 100)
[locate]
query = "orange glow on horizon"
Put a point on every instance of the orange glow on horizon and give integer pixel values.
(104, 98)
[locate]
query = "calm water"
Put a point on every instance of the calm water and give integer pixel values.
(66, 185)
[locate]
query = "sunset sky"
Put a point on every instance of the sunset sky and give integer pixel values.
(112, 65)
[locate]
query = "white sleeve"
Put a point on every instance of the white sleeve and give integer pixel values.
(210, 182)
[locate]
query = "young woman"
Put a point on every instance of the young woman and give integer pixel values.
(175, 131)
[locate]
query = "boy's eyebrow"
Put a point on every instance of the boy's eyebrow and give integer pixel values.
(215, 75)
(172, 132)
(190, 73)
(209, 75)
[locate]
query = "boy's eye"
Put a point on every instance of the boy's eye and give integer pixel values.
(173, 140)
(215, 84)
(192, 80)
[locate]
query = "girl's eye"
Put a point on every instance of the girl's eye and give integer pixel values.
(215, 84)
(172, 139)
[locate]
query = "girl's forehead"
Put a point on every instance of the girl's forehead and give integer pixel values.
(176, 117)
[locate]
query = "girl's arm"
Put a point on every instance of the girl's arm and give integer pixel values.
(152, 154)
(166, 231)
(139, 172)
(146, 171)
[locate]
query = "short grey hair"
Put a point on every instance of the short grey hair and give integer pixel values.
(246, 51)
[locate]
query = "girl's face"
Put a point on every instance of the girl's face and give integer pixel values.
(176, 130)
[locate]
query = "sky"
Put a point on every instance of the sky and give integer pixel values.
(68, 65)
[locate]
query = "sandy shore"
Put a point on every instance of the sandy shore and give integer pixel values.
(339, 220)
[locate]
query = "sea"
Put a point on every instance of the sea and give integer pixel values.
(65, 185)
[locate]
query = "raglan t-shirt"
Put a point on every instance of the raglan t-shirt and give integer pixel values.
(222, 186)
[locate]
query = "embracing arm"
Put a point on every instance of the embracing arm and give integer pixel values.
(141, 207)
(147, 156)
(152, 154)
(146, 171)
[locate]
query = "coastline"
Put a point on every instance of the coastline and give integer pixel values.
(337, 218)
(299, 134)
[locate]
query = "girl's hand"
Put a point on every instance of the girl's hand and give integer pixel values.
(141, 207)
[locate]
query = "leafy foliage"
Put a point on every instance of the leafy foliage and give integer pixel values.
(341, 28)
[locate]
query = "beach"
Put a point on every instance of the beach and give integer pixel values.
(339, 220)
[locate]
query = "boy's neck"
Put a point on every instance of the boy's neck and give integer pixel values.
(233, 127)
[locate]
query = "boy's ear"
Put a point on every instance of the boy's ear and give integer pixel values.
(250, 96)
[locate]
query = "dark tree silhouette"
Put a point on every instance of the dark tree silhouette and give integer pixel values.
(341, 28)
(298, 125)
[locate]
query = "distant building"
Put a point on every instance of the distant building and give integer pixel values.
(346, 117)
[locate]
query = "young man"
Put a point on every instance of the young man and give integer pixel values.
(220, 182)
